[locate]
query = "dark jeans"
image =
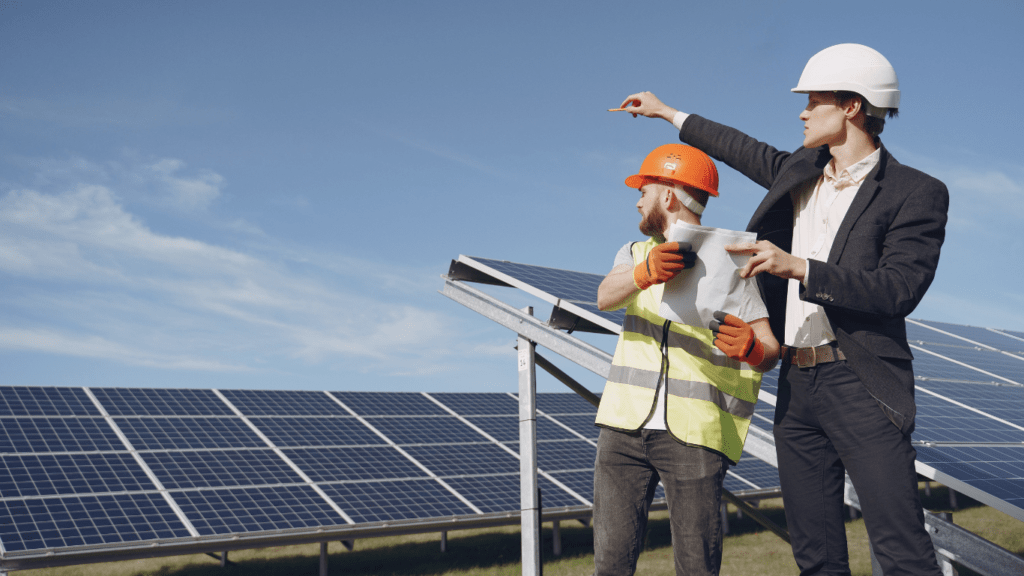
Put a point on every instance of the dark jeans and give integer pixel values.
(825, 423)
(627, 471)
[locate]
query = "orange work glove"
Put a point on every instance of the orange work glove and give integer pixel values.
(663, 262)
(736, 338)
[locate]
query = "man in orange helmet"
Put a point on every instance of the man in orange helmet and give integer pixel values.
(679, 398)
(848, 243)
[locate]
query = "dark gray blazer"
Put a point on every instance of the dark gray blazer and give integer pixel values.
(882, 261)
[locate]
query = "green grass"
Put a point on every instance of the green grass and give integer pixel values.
(749, 549)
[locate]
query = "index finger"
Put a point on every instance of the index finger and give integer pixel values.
(633, 99)
(741, 248)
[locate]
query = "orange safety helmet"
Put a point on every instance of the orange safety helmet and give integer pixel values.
(680, 164)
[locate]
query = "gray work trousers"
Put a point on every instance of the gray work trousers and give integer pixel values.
(627, 471)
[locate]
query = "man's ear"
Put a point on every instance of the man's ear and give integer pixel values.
(669, 199)
(852, 107)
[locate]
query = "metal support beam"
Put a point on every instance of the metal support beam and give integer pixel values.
(556, 538)
(944, 562)
(876, 568)
(530, 518)
(323, 559)
(444, 541)
(224, 559)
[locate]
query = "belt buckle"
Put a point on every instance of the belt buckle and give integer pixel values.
(806, 357)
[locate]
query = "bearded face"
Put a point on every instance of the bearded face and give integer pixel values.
(654, 221)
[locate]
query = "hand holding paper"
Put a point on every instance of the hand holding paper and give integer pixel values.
(767, 257)
(737, 339)
(663, 262)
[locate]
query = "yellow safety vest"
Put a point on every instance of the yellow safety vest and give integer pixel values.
(711, 397)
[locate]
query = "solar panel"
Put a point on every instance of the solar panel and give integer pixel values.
(283, 403)
(574, 292)
(301, 431)
(506, 428)
(196, 433)
(1005, 403)
(67, 522)
(353, 463)
(245, 510)
(389, 404)
(38, 401)
(160, 402)
(425, 430)
(396, 500)
(931, 331)
(24, 475)
(211, 469)
(56, 435)
(993, 475)
(981, 364)
(751, 474)
(479, 404)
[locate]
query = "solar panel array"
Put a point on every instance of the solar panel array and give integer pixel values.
(82, 467)
(970, 389)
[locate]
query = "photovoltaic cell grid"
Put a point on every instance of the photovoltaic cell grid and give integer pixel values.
(66, 478)
(969, 379)
(580, 288)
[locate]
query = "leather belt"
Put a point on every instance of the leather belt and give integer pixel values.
(810, 357)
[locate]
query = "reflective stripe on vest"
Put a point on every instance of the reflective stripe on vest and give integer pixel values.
(711, 397)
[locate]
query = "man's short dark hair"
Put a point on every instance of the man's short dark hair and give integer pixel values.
(873, 126)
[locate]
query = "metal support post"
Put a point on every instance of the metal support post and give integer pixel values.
(556, 538)
(444, 541)
(927, 488)
(323, 559)
(224, 559)
(725, 517)
(945, 565)
(952, 498)
(530, 518)
(876, 568)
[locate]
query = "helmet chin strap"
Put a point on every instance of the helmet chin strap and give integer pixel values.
(688, 201)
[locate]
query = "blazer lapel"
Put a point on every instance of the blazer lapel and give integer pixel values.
(867, 192)
(806, 164)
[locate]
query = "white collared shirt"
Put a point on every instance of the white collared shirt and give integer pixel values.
(818, 211)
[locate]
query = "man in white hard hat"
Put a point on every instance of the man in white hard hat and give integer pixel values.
(848, 243)
(679, 398)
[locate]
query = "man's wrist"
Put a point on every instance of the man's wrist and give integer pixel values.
(677, 119)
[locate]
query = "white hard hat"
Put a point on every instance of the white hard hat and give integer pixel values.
(853, 68)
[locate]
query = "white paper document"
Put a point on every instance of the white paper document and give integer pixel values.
(713, 283)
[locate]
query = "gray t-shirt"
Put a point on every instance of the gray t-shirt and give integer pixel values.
(753, 307)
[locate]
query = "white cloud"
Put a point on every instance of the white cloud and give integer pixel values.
(186, 193)
(87, 278)
(92, 346)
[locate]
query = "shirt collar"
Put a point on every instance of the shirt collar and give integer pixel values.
(854, 174)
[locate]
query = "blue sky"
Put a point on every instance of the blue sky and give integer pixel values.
(264, 194)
